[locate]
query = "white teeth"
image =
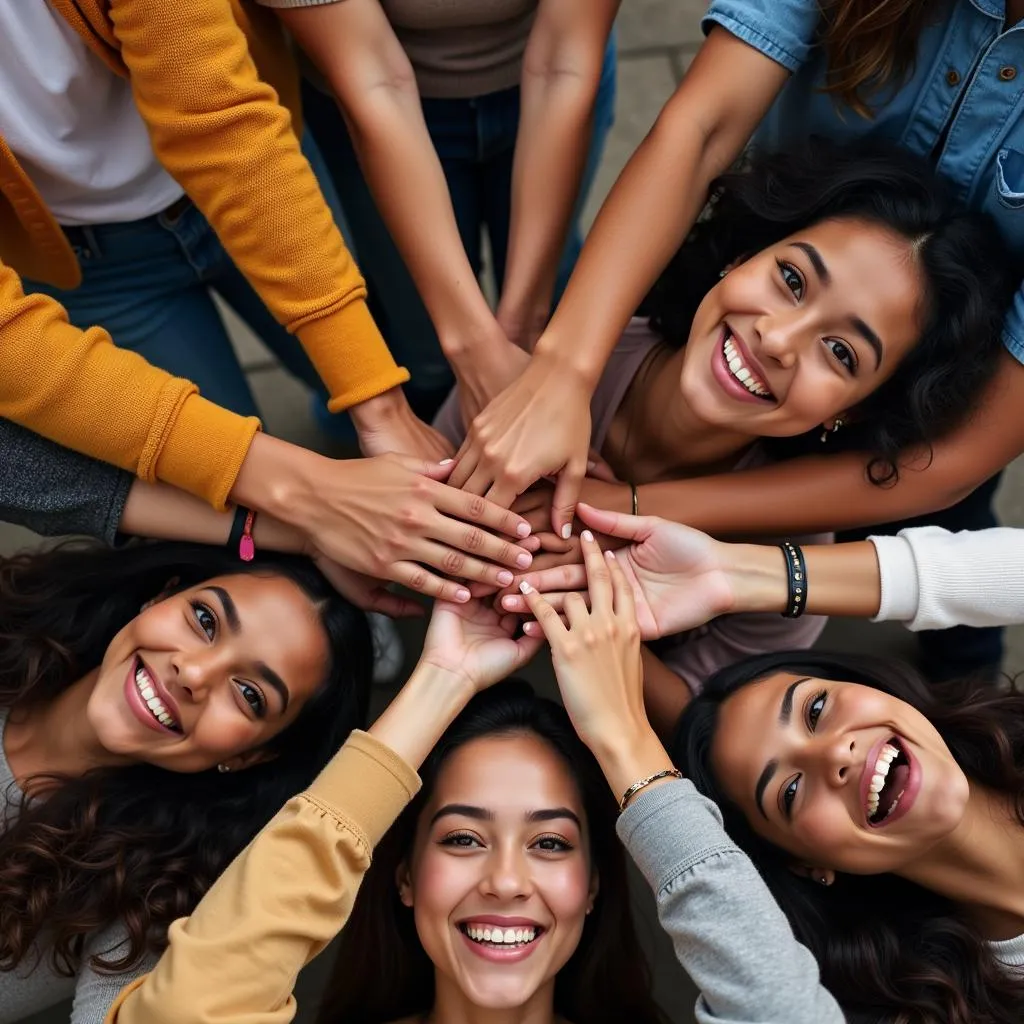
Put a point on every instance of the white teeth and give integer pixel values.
(144, 685)
(743, 373)
(886, 756)
(500, 936)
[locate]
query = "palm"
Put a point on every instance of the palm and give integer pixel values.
(475, 641)
(676, 580)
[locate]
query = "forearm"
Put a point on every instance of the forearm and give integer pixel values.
(401, 167)
(823, 493)
(555, 126)
(161, 512)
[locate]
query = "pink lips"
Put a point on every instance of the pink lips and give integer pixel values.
(138, 705)
(910, 791)
(720, 371)
(497, 954)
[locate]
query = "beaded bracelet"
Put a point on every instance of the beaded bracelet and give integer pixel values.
(796, 578)
(240, 539)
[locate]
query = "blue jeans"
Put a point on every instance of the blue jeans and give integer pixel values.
(148, 283)
(475, 142)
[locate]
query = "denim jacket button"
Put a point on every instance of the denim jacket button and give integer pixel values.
(1007, 73)
(952, 77)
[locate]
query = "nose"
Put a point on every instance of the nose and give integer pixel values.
(507, 876)
(837, 758)
(195, 672)
(783, 333)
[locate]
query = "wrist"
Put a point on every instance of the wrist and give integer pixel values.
(377, 413)
(470, 336)
(568, 362)
(756, 577)
(630, 756)
(278, 479)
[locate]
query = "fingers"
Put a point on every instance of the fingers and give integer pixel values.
(567, 492)
(560, 577)
(516, 603)
(575, 609)
(475, 509)
(599, 581)
(615, 524)
(599, 469)
(394, 605)
(547, 618)
(464, 465)
(425, 467)
(451, 559)
(423, 581)
(622, 590)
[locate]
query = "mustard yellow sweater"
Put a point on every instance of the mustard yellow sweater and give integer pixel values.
(206, 75)
(235, 960)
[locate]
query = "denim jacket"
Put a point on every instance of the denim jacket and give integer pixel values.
(962, 106)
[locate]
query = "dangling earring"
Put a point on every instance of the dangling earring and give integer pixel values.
(835, 426)
(822, 880)
(222, 768)
(722, 273)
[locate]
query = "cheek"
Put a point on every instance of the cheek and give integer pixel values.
(565, 888)
(223, 732)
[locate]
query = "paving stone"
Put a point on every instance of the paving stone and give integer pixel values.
(660, 23)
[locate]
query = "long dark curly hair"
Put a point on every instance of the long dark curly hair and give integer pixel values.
(965, 267)
(889, 950)
(139, 845)
(382, 973)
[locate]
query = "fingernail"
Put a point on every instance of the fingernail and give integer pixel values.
(446, 462)
(525, 560)
(462, 594)
(587, 535)
(525, 587)
(523, 530)
(509, 602)
(591, 464)
(566, 531)
(505, 577)
(610, 555)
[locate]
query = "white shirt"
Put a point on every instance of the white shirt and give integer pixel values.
(73, 124)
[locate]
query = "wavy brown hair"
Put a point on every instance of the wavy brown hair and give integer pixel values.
(870, 45)
(139, 846)
(890, 951)
(382, 973)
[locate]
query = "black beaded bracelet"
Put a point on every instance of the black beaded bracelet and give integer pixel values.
(796, 576)
(237, 527)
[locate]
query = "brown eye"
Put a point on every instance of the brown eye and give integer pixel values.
(205, 619)
(842, 352)
(253, 696)
(791, 278)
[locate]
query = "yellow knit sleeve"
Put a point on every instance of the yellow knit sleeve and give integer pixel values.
(235, 960)
(79, 389)
(221, 132)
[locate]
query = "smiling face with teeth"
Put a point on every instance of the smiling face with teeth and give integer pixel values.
(499, 879)
(842, 776)
(803, 331)
(208, 675)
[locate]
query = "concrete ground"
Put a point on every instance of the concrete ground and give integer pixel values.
(657, 38)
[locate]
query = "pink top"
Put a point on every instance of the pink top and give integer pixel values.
(697, 653)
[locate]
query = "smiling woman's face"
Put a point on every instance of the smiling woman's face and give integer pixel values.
(804, 330)
(210, 674)
(839, 775)
(499, 879)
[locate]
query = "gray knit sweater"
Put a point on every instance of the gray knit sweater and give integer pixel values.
(54, 490)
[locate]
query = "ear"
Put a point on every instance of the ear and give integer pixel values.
(249, 759)
(404, 882)
(822, 876)
(169, 588)
(595, 888)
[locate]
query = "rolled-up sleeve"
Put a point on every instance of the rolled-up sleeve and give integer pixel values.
(783, 30)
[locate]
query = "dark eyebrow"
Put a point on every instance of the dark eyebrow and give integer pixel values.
(553, 814)
(762, 785)
(235, 624)
(230, 610)
(785, 714)
(870, 337)
(275, 681)
(465, 811)
(816, 261)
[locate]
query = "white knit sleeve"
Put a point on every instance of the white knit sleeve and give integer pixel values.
(934, 579)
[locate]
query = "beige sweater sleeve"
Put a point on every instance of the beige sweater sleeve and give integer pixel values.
(279, 903)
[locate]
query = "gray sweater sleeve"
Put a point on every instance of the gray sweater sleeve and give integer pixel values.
(728, 932)
(95, 991)
(54, 490)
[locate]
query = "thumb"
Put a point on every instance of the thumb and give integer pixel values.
(567, 492)
(425, 467)
(616, 524)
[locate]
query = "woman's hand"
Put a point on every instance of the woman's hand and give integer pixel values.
(388, 424)
(678, 576)
(475, 643)
(388, 517)
(596, 657)
(538, 426)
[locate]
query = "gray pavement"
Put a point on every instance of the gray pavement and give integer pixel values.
(657, 38)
